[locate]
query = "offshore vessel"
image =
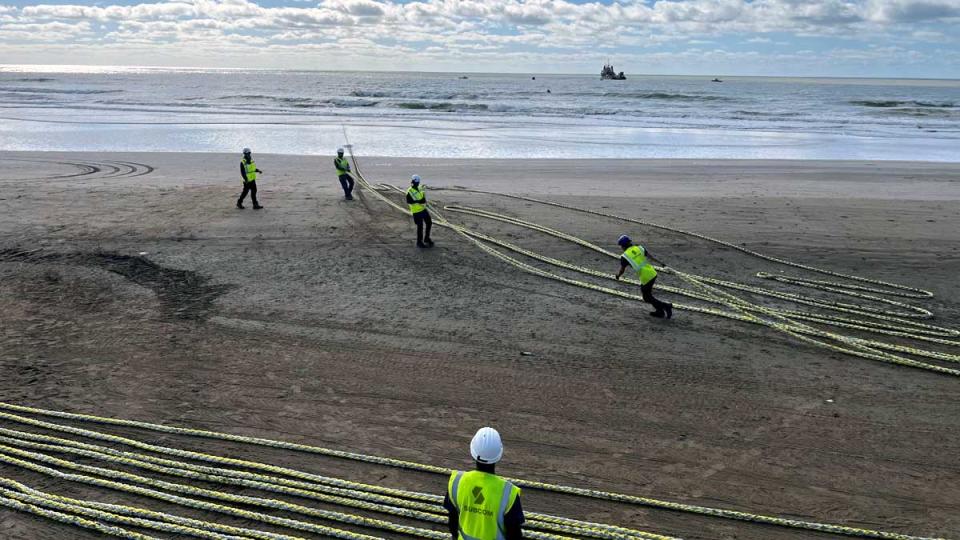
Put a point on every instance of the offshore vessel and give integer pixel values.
(608, 74)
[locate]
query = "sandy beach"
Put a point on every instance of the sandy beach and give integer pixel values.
(131, 287)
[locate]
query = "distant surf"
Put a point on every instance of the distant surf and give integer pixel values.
(487, 115)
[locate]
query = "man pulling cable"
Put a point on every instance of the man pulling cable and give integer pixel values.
(417, 200)
(249, 172)
(636, 256)
(343, 173)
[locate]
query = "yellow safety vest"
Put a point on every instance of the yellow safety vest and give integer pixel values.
(417, 195)
(482, 499)
(251, 170)
(342, 166)
(637, 258)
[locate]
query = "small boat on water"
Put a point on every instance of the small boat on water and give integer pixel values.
(608, 74)
(716, 80)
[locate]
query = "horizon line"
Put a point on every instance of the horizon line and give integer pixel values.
(3, 68)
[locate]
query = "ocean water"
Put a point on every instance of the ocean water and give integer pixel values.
(482, 115)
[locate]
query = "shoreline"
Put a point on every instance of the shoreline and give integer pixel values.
(693, 160)
(377, 156)
(630, 178)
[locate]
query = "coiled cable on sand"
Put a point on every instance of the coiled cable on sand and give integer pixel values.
(400, 505)
(786, 321)
(888, 287)
(17, 456)
(893, 325)
(739, 309)
(33, 451)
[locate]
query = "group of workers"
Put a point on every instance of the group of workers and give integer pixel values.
(634, 256)
(480, 504)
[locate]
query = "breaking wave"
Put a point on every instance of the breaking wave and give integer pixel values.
(888, 104)
(925, 112)
(437, 96)
(349, 102)
(22, 90)
(243, 96)
(666, 96)
(363, 93)
(765, 114)
(442, 106)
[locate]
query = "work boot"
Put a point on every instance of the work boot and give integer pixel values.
(257, 207)
(240, 205)
(669, 309)
(428, 242)
(349, 197)
(657, 314)
(421, 245)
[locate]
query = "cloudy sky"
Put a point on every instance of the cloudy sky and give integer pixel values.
(883, 38)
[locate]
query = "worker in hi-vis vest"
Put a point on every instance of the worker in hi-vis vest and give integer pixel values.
(417, 200)
(343, 173)
(249, 172)
(481, 505)
(636, 257)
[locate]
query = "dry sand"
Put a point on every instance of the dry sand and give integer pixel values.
(317, 321)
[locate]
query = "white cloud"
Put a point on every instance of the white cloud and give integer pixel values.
(477, 31)
(913, 10)
(930, 36)
(528, 14)
(49, 32)
(360, 8)
(669, 15)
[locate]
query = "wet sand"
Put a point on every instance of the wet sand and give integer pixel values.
(316, 320)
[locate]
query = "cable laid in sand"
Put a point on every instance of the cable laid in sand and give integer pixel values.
(20, 458)
(705, 288)
(33, 451)
(308, 481)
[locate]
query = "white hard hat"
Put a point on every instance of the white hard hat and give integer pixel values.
(246, 150)
(415, 179)
(340, 150)
(486, 446)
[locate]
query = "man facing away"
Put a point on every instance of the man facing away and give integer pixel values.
(417, 200)
(636, 257)
(482, 505)
(249, 172)
(343, 173)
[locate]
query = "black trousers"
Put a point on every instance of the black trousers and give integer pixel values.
(346, 181)
(647, 291)
(251, 188)
(421, 218)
